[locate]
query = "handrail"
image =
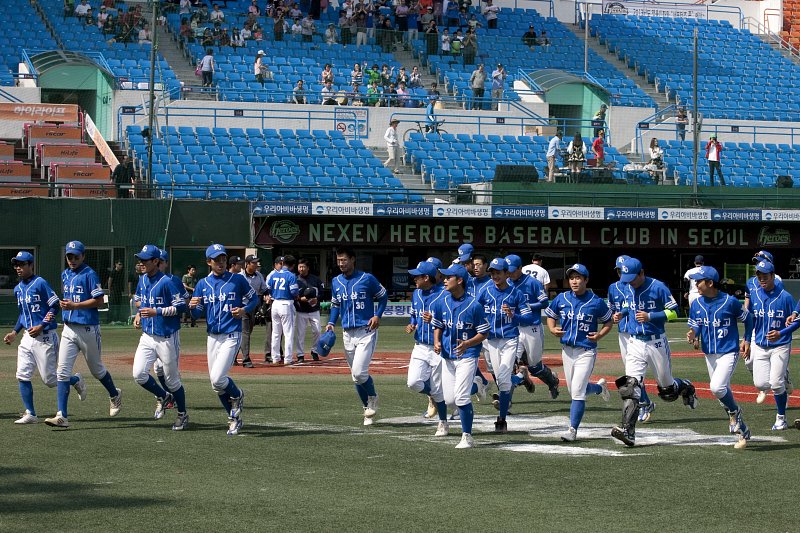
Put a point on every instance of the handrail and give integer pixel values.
(524, 76)
(26, 58)
(772, 38)
(728, 9)
(652, 118)
(10, 97)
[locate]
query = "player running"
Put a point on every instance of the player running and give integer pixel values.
(574, 316)
(460, 327)
(353, 297)
(650, 306)
(162, 304)
(83, 295)
(223, 298)
(38, 349)
(425, 367)
(712, 326)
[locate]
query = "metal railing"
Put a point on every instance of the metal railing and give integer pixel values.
(763, 30)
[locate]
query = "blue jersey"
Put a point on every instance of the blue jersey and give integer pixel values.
(476, 285)
(218, 295)
(752, 285)
(535, 295)
(422, 301)
(770, 311)
(713, 320)
(35, 299)
(180, 288)
(160, 293)
(354, 299)
(282, 285)
(500, 326)
(460, 320)
(652, 297)
(618, 303)
(579, 316)
(79, 286)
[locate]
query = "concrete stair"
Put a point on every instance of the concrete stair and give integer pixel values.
(411, 181)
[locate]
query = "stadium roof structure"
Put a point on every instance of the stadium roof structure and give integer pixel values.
(45, 60)
(549, 79)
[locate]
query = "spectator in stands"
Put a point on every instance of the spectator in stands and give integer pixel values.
(208, 38)
(294, 11)
(216, 14)
(355, 96)
(402, 76)
(445, 42)
(361, 29)
(401, 16)
(110, 26)
(145, 37)
(357, 75)
(392, 146)
(656, 154)
(327, 74)
(185, 7)
(553, 149)
(82, 9)
(224, 38)
(254, 9)
(346, 29)
(470, 46)
(390, 95)
(331, 37)
(451, 13)
(713, 155)
(476, 83)
(246, 33)
(123, 177)
(69, 8)
(455, 44)
(490, 12)
(598, 148)
(432, 38)
(434, 90)
(327, 94)
(577, 156)
(681, 122)
(373, 74)
(101, 18)
(237, 40)
(89, 18)
(279, 26)
(207, 68)
(426, 18)
(498, 85)
(203, 13)
(299, 93)
(387, 35)
(260, 68)
(413, 19)
(543, 39)
(308, 28)
(415, 78)
(297, 30)
(601, 117)
(374, 94)
(463, 17)
(529, 38)
(387, 75)
(403, 96)
(186, 30)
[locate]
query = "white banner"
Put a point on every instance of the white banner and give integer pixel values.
(654, 9)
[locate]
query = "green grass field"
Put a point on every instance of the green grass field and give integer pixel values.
(304, 461)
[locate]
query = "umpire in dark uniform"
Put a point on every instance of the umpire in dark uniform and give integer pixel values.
(307, 307)
(252, 274)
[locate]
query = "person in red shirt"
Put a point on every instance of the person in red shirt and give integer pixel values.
(598, 147)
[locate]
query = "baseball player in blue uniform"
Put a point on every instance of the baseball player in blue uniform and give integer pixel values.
(505, 308)
(574, 316)
(477, 280)
(712, 326)
(353, 297)
(772, 340)
(162, 304)
(83, 295)
(650, 306)
(480, 279)
(531, 338)
(460, 327)
(283, 289)
(425, 367)
(223, 298)
(619, 306)
(38, 349)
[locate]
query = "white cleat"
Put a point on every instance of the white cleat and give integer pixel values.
(58, 421)
(466, 442)
(780, 423)
(368, 421)
(115, 404)
(27, 418)
(570, 435)
(181, 422)
(372, 407)
(604, 394)
(443, 429)
(741, 443)
(431, 412)
(80, 387)
(481, 388)
(762, 395)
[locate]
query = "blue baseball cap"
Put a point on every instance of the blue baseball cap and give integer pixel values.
(765, 267)
(621, 259)
(763, 255)
(164, 256)
(514, 262)
(424, 268)
(454, 270)
(148, 251)
(705, 272)
(498, 263)
(436, 262)
(578, 269)
(22, 257)
(630, 268)
(215, 250)
(325, 343)
(465, 252)
(75, 248)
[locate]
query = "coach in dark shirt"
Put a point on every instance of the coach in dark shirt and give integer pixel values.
(307, 308)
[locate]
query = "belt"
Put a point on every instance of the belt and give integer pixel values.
(647, 338)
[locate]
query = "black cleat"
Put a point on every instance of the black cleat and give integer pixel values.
(247, 363)
(315, 356)
(622, 435)
(500, 426)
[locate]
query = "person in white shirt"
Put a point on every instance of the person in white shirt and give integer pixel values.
(490, 12)
(693, 293)
(216, 15)
(82, 8)
(145, 36)
(536, 270)
(328, 94)
(392, 145)
(552, 153)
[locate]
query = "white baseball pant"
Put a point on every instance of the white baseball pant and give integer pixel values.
(39, 353)
(359, 344)
(769, 367)
(748, 363)
(720, 369)
(425, 364)
(221, 349)
(79, 338)
(303, 321)
(158, 366)
(152, 349)
(578, 366)
(458, 376)
(531, 341)
(503, 355)
(282, 324)
(624, 339)
(655, 351)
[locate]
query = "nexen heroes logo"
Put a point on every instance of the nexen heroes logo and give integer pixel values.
(284, 231)
(777, 237)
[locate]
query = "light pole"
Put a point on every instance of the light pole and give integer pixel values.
(151, 117)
